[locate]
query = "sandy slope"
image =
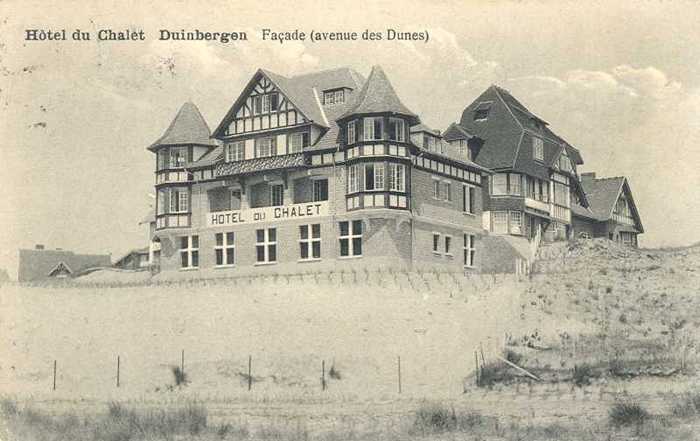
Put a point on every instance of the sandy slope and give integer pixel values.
(287, 326)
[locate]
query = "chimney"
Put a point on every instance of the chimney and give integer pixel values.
(588, 176)
(39, 246)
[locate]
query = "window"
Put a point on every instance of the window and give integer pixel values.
(500, 222)
(354, 178)
(257, 105)
(310, 241)
(500, 184)
(469, 249)
(448, 191)
(481, 114)
(235, 151)
(397, 131)
(298, 141)
(235, 200)
(179, 200)
(448, 245)
(561, 194)
(515, 184)
(189, 251)
(265, 147)
(436, 189)
(516, 222)
(320, 190)
(270, 102)
(397, 177)
(374, 176)
(468, 197)
(350, 238)
(224, 250)
(537, 148)
(351, 132)
(372, 128)
(277, 195)
(436, 243)
(266, 245)
(178, 156)
(333, 97)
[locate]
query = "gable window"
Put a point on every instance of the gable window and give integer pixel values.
(178, 157)
(224, 250)
(372, 128)
(189, 251)
(537, 148)
(257, 105)
(270, 102)
(397, 132)
(351, 132)
(468, 197)
(298, 141)
(320, 190)
(350, 238)
(374, 176)
(481, 114)
(235, 151)
(266, 245)
(265, 147)
(310, 241)
(276, 195)
(397, 177)
(469, 249)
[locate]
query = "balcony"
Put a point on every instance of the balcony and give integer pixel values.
(172, 176)
(279, 213)
(560, 213)
(181, 220)
(622, 219)
(537, 205)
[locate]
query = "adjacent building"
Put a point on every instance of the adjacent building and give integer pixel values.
(611, 213)
(326, 169)
(41, 264)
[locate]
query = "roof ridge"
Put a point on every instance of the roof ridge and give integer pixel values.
(330, 69)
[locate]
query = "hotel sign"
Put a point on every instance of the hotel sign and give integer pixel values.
(267, 214)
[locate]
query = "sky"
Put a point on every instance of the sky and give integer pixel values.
(618, 80)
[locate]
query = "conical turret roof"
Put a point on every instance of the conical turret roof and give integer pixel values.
(378, 96)
(188, 127)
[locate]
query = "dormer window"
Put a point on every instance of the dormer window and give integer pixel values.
(481, 113)
(537, 148)
(331, 97)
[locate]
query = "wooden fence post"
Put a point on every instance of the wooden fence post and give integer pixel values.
(54, 375)
(323, 374)
(182, 363)
(399, 371)
(117, 371)
(250, 375)
(476, 364)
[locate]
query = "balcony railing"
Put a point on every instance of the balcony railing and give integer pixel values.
(622, 219)
(180, 220)
(163, 177)
(267, 214)
(537, 205)
(560, 213)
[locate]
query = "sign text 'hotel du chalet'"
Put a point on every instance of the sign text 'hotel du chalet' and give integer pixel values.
(267, 214)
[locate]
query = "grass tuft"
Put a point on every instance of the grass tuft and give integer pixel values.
(628, 414)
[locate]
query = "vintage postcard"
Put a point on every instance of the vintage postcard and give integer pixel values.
(359, 220)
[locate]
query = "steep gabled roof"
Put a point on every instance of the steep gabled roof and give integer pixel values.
(188, 127)
(508, 129)
(603, 194)
(455, 131)
(305, 92)
(378, 96)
